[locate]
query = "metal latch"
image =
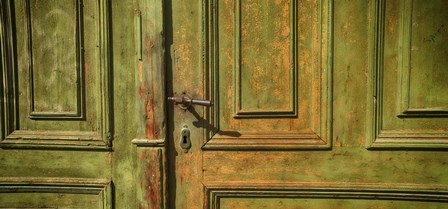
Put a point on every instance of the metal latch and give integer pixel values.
(185, 102)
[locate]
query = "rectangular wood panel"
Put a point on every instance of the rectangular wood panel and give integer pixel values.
(422, 67)
(324, 195)
(58, 92)
(55, 193)
(55, 39)
(409, 107)
(269, 74)
(265, 58)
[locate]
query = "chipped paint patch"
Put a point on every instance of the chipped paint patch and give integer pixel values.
(151, 126)
(151, 176)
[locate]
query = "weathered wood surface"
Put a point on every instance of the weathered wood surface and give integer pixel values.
(354, 74)
(409, 74)
(151, 175)
(269, 78)
(57, 121)
(57, 94)
(56, 193)
(150, 139)
(362, 60)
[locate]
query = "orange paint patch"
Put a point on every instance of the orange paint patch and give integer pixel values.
(151, 178)
(150, 120)
(151, 130)
(155, 184)
(141, 92)
(150, 44)
(140, 71)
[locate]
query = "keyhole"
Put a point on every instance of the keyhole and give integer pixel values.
(184, 139)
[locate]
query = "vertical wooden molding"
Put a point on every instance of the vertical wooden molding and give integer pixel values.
(106, 84)
(151, 175)
(149, 72)
(8, 80)
(151, 185)
(2, 63)
(404, 60)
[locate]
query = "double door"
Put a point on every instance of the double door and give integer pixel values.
(307, 104)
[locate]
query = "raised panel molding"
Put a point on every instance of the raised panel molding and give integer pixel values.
(315, 133)
(12, 134)
(389, 192)
(293, 97)
(79, 112)
(97, 188)
(405, 138)
(405, 71)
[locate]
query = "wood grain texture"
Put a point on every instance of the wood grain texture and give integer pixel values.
(150, 71)
(125, 158)
(350, 164)
(184, 74)
(150, 139)
(151, 187)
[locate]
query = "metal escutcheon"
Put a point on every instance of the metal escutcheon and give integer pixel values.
(185, 142)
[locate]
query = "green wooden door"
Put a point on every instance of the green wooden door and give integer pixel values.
(56, 110)
(69, 110)
(317, 104)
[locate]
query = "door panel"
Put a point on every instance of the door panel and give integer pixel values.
(55, 193)
(316, 195)
(317, 204)
(47, 22)
(268, 77)
(409, 85)
(57, 95)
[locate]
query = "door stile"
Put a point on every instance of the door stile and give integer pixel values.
(150, 141)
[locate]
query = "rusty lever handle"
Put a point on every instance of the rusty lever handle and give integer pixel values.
(184, 101)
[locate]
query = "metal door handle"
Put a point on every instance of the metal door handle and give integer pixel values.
(184, 101)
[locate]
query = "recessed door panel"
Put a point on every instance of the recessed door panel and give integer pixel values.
(57, 85)
(267, 74)
(410, 100)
